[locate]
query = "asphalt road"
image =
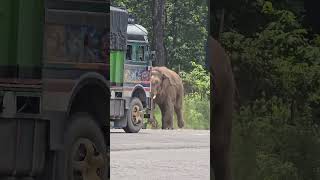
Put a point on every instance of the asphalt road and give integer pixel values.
(160, 155)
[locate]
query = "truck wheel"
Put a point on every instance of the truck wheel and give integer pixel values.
(85, 151)
(134, 116)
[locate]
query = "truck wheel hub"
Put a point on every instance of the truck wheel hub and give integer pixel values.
(136, 115)
(87, 162)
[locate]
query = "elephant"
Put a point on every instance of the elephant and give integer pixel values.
(167, 92)
(223, 94)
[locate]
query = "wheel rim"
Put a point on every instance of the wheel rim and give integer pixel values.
(87, 163)
(136, 115)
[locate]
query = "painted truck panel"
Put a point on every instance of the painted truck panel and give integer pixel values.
(117, 63)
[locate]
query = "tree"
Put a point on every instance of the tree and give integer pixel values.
(158, 28)
(276, 132)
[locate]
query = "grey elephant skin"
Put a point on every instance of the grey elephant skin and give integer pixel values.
(223, 91)
(167, 91)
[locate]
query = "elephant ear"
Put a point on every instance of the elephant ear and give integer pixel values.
(170, 75)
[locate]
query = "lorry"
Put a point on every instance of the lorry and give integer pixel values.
(55, 88)
(130, 77)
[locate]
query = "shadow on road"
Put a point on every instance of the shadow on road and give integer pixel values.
(122, 132)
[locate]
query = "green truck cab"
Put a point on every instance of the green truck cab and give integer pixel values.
(54, 89)
(130, 77)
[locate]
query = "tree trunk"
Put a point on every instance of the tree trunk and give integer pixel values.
(158, 22)
(217, 22)
(221, 22)
(175, 34)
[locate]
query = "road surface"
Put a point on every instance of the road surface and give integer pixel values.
(160, 155)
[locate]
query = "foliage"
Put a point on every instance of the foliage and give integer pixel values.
(276, 132)
(186, 28)
(278, 148)
(196, 100)
(186, 32)
(196, 111)
(198, 80)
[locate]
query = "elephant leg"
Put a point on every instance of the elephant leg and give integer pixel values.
(178, 110)
(153, 119)
(168, 115)
(222, 117)
(163, 124)
(179, 117)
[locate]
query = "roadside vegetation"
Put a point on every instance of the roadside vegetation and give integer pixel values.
(276, 134)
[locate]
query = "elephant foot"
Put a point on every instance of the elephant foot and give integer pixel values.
(167, 128)
(154, 125)
(180, 124)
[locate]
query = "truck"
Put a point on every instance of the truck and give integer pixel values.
(55, 88)
(130, 76)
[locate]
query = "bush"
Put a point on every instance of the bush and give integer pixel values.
(268, 143)
(276, 132)
(196, 81)
(196, 112)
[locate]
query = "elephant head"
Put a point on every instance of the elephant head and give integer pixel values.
(161, 77)
(156, 81)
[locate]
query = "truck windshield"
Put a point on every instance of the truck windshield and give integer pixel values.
(129, 53)
(140, 54)
(136, 52)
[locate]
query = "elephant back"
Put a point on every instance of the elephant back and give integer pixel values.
(173, 77)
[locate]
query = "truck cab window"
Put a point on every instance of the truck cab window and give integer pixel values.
(140, 53)
(129, 53)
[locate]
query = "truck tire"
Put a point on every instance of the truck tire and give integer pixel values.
(134, 117)
(85, 151)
